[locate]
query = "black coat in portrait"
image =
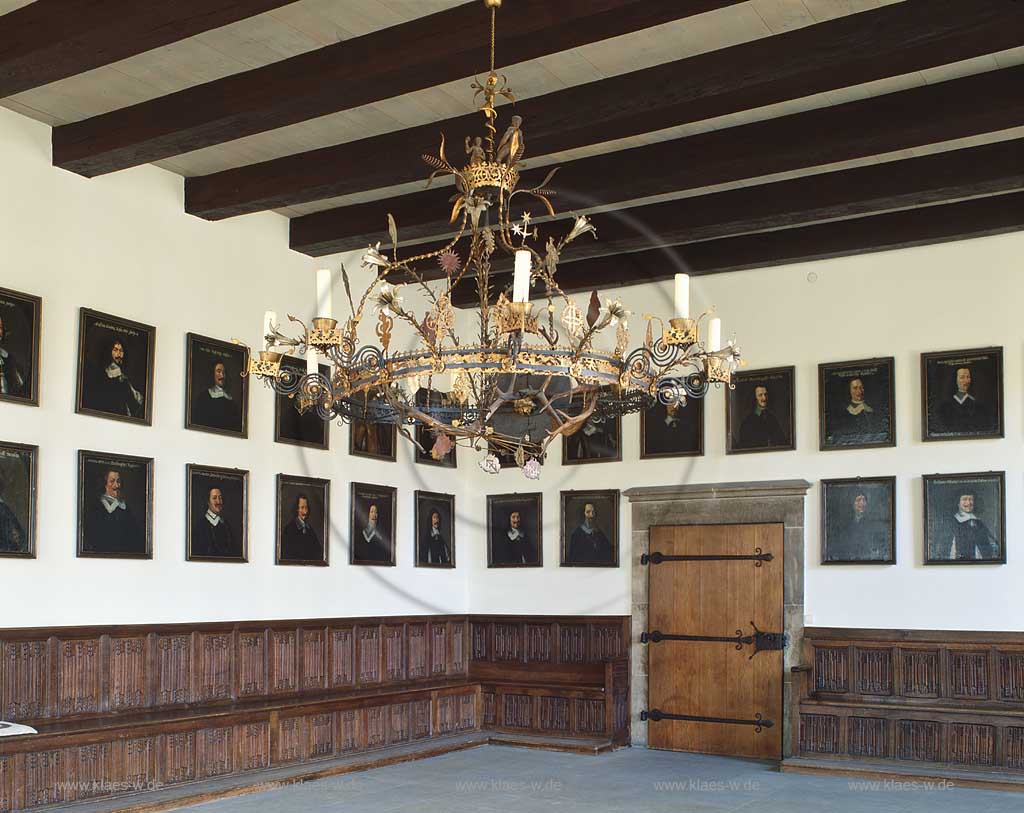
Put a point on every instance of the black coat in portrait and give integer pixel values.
(12, 534)
(966, 415)
(590, 545)
(113, 531)
(859, 537)
(860, 421)
(371, 546)
(519, 551)
(214, 540)
(762, 428)
(299, 542)
(13, 380)
(216, 408)
(109, 389)
(434, 548)
(971, 539)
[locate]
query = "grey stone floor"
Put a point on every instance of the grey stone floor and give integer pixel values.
(495, 778)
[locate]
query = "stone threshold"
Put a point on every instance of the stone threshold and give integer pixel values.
(924, 777)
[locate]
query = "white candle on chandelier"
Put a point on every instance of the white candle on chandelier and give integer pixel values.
(324, 305)
(269, 320)
(715, 335)
(312, 362)
(682, 298)
(521, 280)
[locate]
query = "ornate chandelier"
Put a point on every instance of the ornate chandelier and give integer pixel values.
(529, 374)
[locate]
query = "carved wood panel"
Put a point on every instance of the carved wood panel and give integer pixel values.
(481, 640)
(819, 733)
(606, 641)
(507, 642)
(375, 726)
(419, 711)
(283, 662)
(1011, 676)
(321, 735)
(348, 730)
(466, 720)
(252, 664)
(874, 671)
(42, 775)
(314, 659)
(446, 714)
(1014, 747)
(342, 657)
(253, 746)
(398, 723)
(23, 680)
(554, 713)
(291, 736)
(572, 643)
(918, 740)
(589, 716)
(831, 669)
(180, 757)
(488, 708)
(215, 749)
(438, 648)
(368, 654)
(968, 674)
(518, 711)
(538, 643)
(417, 637)
(173, 669)
(91, 771)
(214, 672)
(128, 674)
(868, 737)
(460, 664)
(971, 744)
(394, 653)
(6, 784)
(920, 672)
(78, 677)
(139, 760)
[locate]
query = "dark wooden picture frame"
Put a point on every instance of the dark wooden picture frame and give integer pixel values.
(980, 415)
(364, 496)
(426, 439)
(857, 404)
(19, 485)
(676, 431)
(858, 514)
(115, 514)
(306, 429)
(741, 417)
(603, 445)
(302, 541)
(204, 542)
(366, 436)
(21, 317)
(580, 547)
(216, 400)
(103, 385)
(500, 508)
(435, 552)
(943, 505)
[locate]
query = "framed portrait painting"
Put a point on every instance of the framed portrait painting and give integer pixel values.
(115, 505)
(217, 514)
(115, 368)
(965, 518)
(376, 440)
(589, 524)
(19, 464)
(435, 529)
(672, 430)
(760, 411)
(514, 530)
(20, 318)
(962, 394)
(599, 440)
(300, 428)
(374, 515)
(216, 392)
(858, 521)
(856, 404)
(303, 521)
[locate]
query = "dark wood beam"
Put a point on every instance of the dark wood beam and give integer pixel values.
(422, 53)
(974, 105)
(942, 177)
(50, 40)
(943, 223)
(895, 39)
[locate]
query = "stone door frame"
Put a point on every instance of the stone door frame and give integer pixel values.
(721, 504)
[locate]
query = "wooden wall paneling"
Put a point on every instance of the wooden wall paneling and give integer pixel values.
(874, 670)
(1011, 676)
(482, 649)
(252, 662)
(252, 745)
(40, 779)
(78, 676)
(342, 657)
(488, 708)
(375, 722)
(1013, 747)
(420, 719)
(832, 669)
(320, 730)
(919, 740)
(590, 716)
(393, 643)
(572, 643)
(517, 710)
(90, 770)
(128, 673)
(291, 740)
(508, 641)
(368, 654)
(819, 734)
(25, 680)
(6, 784)
(606, 641)
(920, 669)
(348, 730)
(138, 758)
(458, 632)
(179, 757)
(398, 723)
(313, 675)
(538, 642)
(553, 714)
(284, 654)
(214, 668)
(440, 655)
(970, 744)
(172, 672)
(215, 749)
(968, 674)
(417, 646)
(468, 704)
(868, 737)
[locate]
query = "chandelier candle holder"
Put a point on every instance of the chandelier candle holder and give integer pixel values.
(527, 374)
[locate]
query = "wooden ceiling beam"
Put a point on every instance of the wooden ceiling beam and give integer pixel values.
(942, 223)
(959, 108)
(422, 53)
(850, 50)
(49, 40)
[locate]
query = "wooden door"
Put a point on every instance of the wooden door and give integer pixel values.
(724, 598)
